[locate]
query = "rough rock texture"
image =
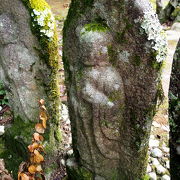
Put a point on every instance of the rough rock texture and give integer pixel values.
(28, 72)
(19, 60)
(174, 116)
(112, 75)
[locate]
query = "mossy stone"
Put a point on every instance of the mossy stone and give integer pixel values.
(79, 173)
(19, 135)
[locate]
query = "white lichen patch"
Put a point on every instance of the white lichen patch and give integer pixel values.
(124, 56)
(156, 34)
(45, 20)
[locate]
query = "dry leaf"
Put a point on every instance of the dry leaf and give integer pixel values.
(38, 168)
(38, 158)
(30, 148)
(44, 123)
(29, 171)
(41, 102)
(32, 169)
(41, 148)
(33, 146)
(43, 117)
(39, 128)
(43, 108)
(23, 176)
(38, 137)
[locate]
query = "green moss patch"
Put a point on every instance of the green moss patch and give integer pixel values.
(95, 27)
(13, 144)
(49, 54)
(11, 158)
(79, 173)
(137, 60)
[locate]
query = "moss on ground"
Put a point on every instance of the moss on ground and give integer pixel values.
(13, 144)
(79, 173)
(11, 158)
(137, 60)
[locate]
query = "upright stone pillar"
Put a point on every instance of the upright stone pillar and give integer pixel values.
(174, 116)
(28, 69)
(113, 53)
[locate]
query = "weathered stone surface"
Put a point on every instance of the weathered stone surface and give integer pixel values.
(19, 60)
(112, 79)
(28, 69)
(174, 116)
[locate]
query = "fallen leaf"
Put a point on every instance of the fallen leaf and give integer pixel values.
(38, 168)
(33, 146)
(32, 169)
(41, 102)
(38, 137)
(23, 176)
(41, 148)
(39, 128)
(38, 158)
(44, 123)
(43, 108)
(43, 117)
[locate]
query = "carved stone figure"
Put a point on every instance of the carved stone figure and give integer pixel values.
(113, 52)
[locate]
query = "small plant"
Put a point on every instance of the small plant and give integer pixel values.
(32, 170)
(3, 97)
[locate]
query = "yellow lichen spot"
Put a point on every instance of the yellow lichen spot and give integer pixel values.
(39, 5)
